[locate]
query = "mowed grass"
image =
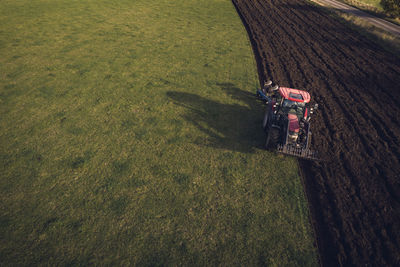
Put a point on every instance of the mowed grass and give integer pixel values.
(364, 4)
(375, 3)
(130, 136)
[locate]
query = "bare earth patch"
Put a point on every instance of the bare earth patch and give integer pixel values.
(354, 195)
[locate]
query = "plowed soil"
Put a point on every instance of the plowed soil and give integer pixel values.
(354, 195)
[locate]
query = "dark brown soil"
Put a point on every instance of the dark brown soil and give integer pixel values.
(354, 196)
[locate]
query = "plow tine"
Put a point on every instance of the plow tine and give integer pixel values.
(297, 152)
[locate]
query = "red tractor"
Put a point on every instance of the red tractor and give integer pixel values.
(287, 120)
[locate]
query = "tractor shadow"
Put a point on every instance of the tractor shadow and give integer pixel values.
(235, 127)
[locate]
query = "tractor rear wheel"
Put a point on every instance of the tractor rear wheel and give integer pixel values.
(308, 140)
(266, 121)
(272, 138)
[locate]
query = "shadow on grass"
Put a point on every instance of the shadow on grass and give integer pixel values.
(235, 127)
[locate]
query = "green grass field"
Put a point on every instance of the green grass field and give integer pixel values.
(369, 5)
(375, 3)
(130, 136)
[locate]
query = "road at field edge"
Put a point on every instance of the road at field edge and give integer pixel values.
(377, 22)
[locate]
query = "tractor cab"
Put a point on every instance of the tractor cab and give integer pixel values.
(294, 95)
(293, 102)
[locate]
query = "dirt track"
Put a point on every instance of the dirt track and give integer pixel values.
(354, 195)
(377, 22)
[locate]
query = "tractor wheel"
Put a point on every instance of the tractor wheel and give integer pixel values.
(265, 122)
(308, 140)
(267, 115)
(272, 138)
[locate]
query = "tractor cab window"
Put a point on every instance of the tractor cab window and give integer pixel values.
(287, 104)
(290, 106)
(295, 96)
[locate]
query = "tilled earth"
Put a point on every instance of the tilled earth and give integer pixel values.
(354, 195)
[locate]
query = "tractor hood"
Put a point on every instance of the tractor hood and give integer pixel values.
(293, 123)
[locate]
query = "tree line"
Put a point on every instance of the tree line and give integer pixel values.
(391, 7)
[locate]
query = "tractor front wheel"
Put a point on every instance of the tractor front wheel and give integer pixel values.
(272, 138)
